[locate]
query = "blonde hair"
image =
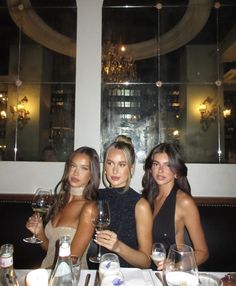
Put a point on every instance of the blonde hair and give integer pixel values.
(124, 143)
(125, 139)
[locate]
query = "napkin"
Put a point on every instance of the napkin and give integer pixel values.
(133, 276)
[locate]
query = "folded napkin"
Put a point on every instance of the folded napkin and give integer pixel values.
(133, 276)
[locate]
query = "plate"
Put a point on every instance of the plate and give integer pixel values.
(209, 280)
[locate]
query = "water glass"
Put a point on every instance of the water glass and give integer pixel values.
(180, 266)
(109, 265)
(76, 268)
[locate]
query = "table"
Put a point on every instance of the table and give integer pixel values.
(149, 276)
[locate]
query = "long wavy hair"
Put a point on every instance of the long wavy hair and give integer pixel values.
(62, 189)
(125, 144)
(176, 164)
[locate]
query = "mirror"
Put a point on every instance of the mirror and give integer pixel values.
(37, 80)
(168, 73)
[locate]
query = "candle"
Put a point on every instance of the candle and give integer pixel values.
(37, 277)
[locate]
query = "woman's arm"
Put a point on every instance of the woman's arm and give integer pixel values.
(84, 232)
(138, 258)
(192, 222)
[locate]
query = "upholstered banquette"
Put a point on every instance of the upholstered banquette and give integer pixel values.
(218, 217)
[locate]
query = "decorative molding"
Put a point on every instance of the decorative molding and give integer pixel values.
(35, 28)
(194, 19)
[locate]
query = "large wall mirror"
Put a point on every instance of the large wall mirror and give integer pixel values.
(37, 79)
(169, 74)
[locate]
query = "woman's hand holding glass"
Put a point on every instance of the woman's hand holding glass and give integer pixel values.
(100, 219)
(158, 254)
(40, 205)
(35, 224)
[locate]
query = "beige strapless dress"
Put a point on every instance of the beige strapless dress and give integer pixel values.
(53, 234)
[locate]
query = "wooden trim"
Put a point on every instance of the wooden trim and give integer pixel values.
(215, 200)
(16, 197)
(198, 200)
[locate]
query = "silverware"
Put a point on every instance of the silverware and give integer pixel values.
(96, 281)
(159, 277)
(87, 279)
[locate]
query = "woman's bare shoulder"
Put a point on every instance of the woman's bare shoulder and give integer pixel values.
(89, 206)
(143, 204)
(185, 200)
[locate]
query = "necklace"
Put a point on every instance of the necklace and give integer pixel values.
(77, 191)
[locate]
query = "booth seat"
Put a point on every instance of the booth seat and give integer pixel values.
(14, 212)
(218, 216)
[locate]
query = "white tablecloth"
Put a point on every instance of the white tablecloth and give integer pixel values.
(148, 276)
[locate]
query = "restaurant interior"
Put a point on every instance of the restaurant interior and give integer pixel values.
(80, 72)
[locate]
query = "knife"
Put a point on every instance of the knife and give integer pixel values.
(159, 277)
(87, 279)
(96, 281)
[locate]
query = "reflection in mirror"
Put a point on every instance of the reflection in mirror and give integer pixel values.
(37, 80)
(174, 78)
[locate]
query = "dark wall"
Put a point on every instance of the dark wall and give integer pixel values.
(13, 216)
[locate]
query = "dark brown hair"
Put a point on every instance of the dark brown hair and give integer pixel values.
(89, 192)
(177, 165)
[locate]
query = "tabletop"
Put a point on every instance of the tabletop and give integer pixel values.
(132, 276)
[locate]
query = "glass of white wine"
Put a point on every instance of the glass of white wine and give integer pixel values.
(180, 268)
(100, 219)
(40, 205)
(158, 253)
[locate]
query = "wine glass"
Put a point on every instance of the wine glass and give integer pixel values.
(180, 268)
(100, 219)
(40, 205)
(158, 253)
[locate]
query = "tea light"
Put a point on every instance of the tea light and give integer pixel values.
(37, 277)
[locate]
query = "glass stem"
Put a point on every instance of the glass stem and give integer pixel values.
(34, 234)
(99, 252)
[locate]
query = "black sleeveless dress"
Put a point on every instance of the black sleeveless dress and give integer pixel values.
(164, 222)
(122, 208)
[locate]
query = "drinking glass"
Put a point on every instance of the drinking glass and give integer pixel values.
(76, 268)
(158, 253)
(40, 205)
(180, 268)
(109, 265)
(100, 219)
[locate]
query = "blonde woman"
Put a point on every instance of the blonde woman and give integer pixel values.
(130, 232)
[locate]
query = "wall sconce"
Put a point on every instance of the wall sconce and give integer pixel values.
(20, 113)
(176, 133)
(3, 105)
(208, 110)
(226, 112)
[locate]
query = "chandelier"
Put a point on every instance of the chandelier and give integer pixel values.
(115, 66)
